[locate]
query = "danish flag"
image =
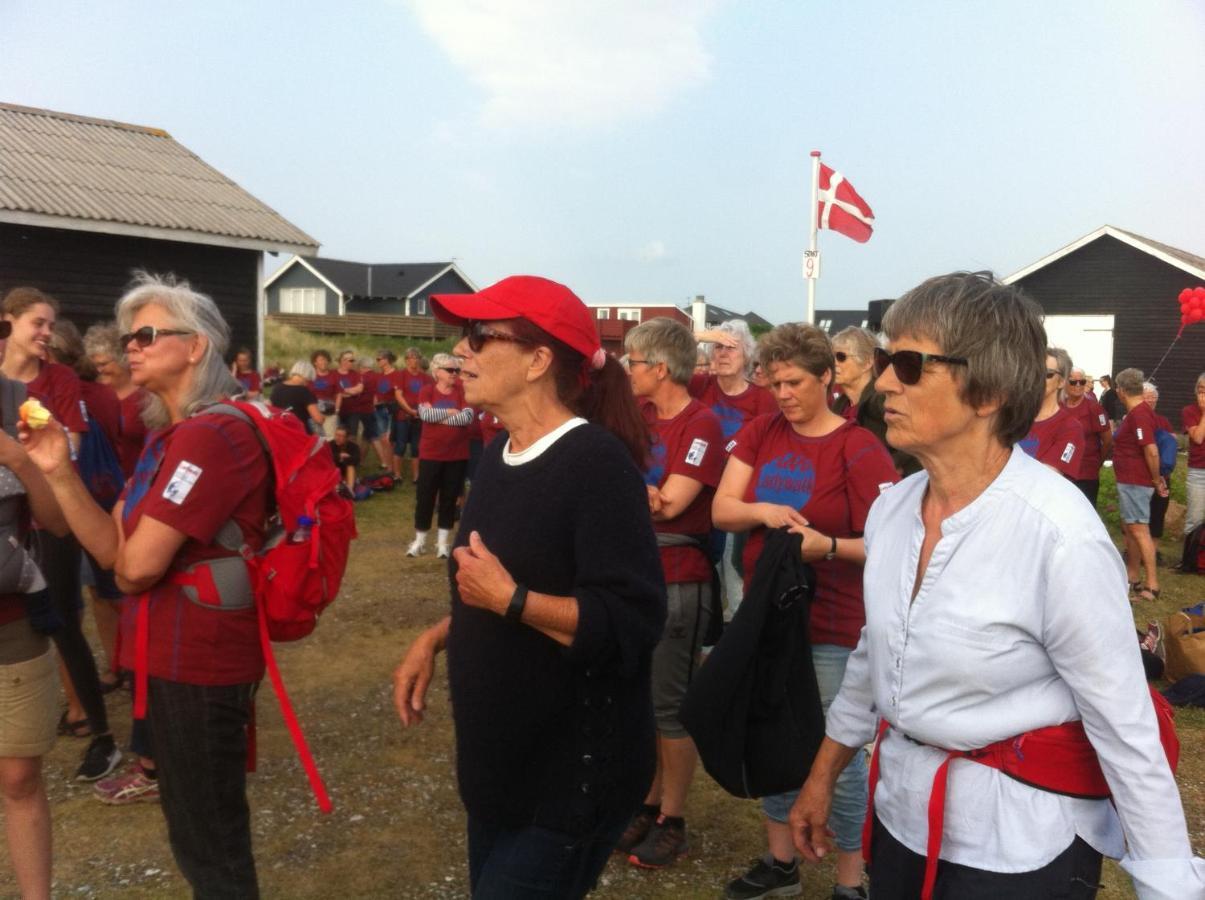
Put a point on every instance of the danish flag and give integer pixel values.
(838, 207)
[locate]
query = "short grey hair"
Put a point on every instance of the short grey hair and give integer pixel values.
(304, 369)
(445, 361)
(1062, 360)
(663, 340)
(739, 329)
(1200, 381)
(412, 352)
(1149, 387)
(104, 339)
(188, 310)
(1129, 382)
(997, 328)
(860, 342)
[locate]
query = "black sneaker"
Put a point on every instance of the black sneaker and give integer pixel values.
(841, 892)
(101, 758)
(664, 845)
(637, 830)
(766, 879)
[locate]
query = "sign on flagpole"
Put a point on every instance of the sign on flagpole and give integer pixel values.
(813, 253)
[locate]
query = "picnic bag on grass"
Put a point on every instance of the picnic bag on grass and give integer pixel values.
(297, 572)
(1184, 640)
(1192, 561)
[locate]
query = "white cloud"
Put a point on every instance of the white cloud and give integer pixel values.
(653, 251)
(572, 62)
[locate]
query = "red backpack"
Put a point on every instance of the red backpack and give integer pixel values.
(297, 572)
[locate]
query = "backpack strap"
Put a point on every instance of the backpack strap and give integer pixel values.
(12, 395)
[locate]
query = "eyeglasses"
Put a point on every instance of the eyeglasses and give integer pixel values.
(840, 355)
(477, 333)
(148, 334)
(6, 328)
(1077, 382)
(448, 369)
(909, 365)
(640, 362)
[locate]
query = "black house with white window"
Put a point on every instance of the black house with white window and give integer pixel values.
(313, 285)
(1111, 300)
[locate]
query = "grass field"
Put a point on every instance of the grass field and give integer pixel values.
(397, 828)
(285, 345)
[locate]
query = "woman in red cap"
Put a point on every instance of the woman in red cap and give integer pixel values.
(557, 598)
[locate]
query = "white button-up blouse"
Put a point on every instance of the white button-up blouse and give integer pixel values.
(1021, 621)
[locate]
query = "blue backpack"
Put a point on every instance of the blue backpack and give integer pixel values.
(1168, 448)
(99, 468)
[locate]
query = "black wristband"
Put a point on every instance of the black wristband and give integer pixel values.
(832, 553)
(518, 601)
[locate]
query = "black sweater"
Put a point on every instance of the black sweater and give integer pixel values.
(560, 737)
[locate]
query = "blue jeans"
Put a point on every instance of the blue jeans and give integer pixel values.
(199, 742)
(516, 863)
(849, 796)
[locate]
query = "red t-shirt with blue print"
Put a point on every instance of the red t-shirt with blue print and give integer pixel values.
(832, 480)
(411, 385)
(325, 385)
(443, 443)
(1057, 442)
(195, 476)
(734, 411)
(250, 380)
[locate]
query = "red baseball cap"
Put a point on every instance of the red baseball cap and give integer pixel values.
(547, 304)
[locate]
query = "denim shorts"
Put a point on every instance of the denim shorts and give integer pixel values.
(849, 796)
(406, 433)
(1135, 503)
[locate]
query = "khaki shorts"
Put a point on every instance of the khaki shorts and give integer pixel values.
(29, 706)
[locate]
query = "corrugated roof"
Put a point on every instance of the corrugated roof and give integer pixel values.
(127, 179)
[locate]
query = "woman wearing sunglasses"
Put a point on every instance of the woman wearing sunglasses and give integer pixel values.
(443, 454)
(30, 316)
(557, 598)
(1098, 436)
(1055, 439)
(981, 573)
(201, 475)
(815, 473)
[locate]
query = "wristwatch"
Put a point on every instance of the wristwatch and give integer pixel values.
(832, 551)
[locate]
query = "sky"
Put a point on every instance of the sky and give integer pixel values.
(645, 151)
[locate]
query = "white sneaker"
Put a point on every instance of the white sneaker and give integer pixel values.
(417, 546)
(442, 552)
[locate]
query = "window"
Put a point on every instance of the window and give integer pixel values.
(826, 324)
(630, 315)
(604, 313)
(311, 301)
(420, 306)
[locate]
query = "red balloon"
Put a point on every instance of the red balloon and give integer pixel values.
(1199, 292)
(1196, 316)
(1185, 295)
(1195, 303)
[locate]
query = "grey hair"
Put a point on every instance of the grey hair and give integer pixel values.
(412, 351)
(739, 329)
(1149, 387)
(1200, 381)
(996, 328)
(304, 369)
(1075, 369)
(1062, 361)
(1129, 382)
(445, 361)
(364, 362)
(860, 342)
(345, 351)
(188, 310)
(663, 340)
(104, 339)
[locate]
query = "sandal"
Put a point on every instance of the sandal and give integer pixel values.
(77, 729)
(1148, 593)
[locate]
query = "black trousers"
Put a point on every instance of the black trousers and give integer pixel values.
(1090, 488)
(200, 750)
(444, 480)
(59, 559)
(896, 873)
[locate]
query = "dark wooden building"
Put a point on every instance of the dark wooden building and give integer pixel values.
(1135, 282)
(86, 202)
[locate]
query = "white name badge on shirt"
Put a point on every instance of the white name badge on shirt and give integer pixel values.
(181, 483)
(698, 449)
(731, 445)
(1139, 431)
(1068, 452)
(1102, 419)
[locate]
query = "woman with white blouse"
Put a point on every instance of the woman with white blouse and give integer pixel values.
(995, 606)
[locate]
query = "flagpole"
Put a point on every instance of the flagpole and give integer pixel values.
(814, 219)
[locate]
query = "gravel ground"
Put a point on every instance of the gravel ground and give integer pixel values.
(397, 828)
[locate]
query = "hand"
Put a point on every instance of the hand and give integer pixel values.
(48, 447)
(815, 546)
(481, 578)
(723, 338)
(411, 680)
(1161, 487)
(655, 499)
(808, 821)
(774, 515)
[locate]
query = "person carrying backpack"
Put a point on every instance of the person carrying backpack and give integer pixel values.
(202, 474)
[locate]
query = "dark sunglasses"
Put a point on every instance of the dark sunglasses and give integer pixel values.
(148, 334)
(909, 365)
(448, 369)
(477, 333)
(6, 328)
(1078, 382)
